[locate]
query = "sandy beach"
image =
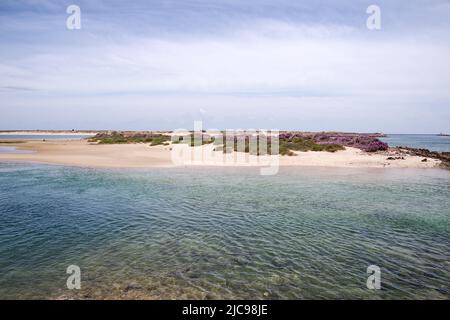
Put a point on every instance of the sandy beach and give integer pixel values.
(84, 154)
(140, 155)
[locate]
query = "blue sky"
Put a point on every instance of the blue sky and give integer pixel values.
(305, 65)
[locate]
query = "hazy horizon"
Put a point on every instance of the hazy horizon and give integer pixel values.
(161, 65)
(190, 129)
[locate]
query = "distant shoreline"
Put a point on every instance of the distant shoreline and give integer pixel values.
(93, 132)
(48, 132)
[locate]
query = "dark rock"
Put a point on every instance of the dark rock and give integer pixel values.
(395, 158)
(444, 157)
(132, 286)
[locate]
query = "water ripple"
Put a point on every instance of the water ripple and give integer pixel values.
(223, 233)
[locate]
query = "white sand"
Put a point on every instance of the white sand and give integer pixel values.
(85, 154)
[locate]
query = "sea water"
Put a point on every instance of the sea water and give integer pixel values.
(42, 137)
(431, 142)
(213, 233)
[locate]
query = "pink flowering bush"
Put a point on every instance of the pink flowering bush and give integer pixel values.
(366, 142)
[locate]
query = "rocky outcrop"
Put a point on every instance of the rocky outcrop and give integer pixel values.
(443, 156)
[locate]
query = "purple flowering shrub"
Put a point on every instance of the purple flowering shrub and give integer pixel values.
(376, 146)
(365, 142)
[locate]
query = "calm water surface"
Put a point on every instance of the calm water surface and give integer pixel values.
(41, 137)
(224, 233)
(422, 141)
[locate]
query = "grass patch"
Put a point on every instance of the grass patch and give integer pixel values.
(304, 144)
(205, 139)
(286, 146)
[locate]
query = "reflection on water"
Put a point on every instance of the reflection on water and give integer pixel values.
(224, 233)
(13, 150)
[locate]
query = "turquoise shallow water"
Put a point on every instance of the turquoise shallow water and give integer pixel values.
(224, 233)
(422, 141)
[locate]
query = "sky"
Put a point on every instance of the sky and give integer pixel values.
(233, 64)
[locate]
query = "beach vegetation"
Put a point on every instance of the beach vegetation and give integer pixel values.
(263, 145)
(289, 142)
(122, 138)
(365, 142)
(194, 139)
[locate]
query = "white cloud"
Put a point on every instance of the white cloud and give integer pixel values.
(313, 63)
(299, 75)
